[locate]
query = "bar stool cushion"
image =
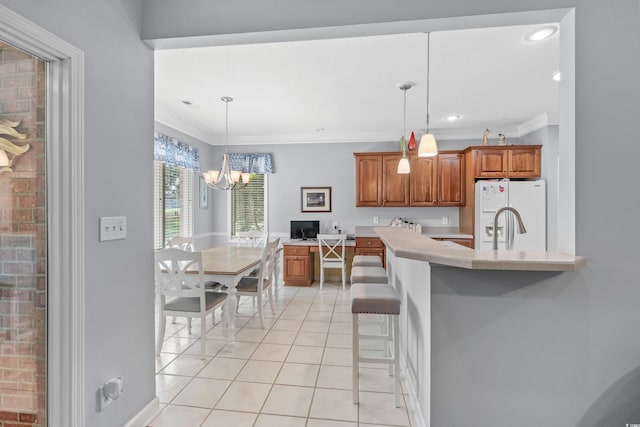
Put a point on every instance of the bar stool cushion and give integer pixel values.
(374, 299)
(366, 261)
(369, 275)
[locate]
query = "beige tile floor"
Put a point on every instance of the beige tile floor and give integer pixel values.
(296, 372)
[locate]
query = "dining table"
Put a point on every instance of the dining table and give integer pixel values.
(227, 265)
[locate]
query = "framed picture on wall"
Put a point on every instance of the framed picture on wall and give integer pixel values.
(315, 199)
(204, 196)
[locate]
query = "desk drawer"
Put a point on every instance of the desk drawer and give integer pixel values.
(296, 250)
(368, 242)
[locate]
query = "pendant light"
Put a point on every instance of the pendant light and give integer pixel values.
(428, 146)
(225, 178)
(403, 166)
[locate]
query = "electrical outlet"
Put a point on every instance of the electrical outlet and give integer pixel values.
(113, 228)
(110, 391)
(376, 220)
(445, 220)
(335, 225)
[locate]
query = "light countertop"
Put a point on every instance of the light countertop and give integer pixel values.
(433, 232)
(407, 244)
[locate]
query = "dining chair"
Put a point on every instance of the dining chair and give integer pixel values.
(257, 286)
(179, 278)
(253, 238)
(181, 242)
(331, 249)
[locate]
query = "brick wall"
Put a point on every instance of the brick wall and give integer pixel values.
(23, 287)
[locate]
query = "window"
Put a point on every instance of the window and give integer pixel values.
(248, 206)
(173, 202)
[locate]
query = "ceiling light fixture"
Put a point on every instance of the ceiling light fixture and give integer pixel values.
(403, 166)
(428, 146)
(225, 178)
(541, 33)
(452, 117)
(556, 76)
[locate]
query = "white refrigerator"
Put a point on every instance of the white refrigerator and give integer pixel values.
(528, 198)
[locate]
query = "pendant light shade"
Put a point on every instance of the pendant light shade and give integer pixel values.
(403, 166)
(428, 145)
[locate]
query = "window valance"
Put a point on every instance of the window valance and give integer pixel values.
(251, 162)
(173, 152)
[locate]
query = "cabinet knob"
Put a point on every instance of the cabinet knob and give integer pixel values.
(369, 243)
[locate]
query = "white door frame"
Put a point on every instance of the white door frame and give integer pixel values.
(65, 214)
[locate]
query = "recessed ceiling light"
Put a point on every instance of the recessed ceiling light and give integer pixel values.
(189, 103)
(556, 76)
(320, 129)
(452, 117)
(541, 33)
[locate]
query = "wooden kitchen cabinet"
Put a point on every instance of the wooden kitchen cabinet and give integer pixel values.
(297, 265)
(370, 246)
(433, 181)
(395, 186)
(378, 182)
(368, 180)
(508, 161)
(438, 180)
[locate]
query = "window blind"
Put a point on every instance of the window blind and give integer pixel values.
(186, 202)
(248, 206)
(158, 205)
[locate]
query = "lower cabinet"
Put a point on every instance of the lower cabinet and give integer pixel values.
(370, 246)
(297, 266)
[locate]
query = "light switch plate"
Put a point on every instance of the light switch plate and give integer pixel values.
(113, 228)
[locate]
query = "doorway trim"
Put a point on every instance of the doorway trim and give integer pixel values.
(65, 214)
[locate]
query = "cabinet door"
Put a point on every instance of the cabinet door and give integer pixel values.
(395, 186)
(296, 269)
(368, 181)
(491, 163)
(524, 162)
(424, 178)
(450, 179)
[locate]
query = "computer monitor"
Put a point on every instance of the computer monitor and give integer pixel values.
(305, 229)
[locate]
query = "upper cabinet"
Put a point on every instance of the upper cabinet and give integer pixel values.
(378, 182)
(433, 181)
(437, 181)
(508, 161)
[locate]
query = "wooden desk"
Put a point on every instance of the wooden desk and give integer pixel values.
(299, 261)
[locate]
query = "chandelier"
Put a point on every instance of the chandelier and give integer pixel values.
(225, 178)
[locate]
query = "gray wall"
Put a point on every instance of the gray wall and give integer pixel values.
(118, 177)
(326, 165)
(521, 348)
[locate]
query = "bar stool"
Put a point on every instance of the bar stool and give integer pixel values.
(362, 274)
(366, 261)
(369, 299)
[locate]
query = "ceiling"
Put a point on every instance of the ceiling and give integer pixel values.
(345, 90)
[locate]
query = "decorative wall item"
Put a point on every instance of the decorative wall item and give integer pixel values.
(502, 140)
(7, 147)
(413, 144)
(485, 137)
(204, 196)
(315, 199)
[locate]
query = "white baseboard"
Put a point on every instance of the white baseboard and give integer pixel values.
(144, 417)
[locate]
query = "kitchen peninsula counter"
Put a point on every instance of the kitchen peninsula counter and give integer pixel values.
(406, 244)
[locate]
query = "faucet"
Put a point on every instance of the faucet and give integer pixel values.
(521, 229)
